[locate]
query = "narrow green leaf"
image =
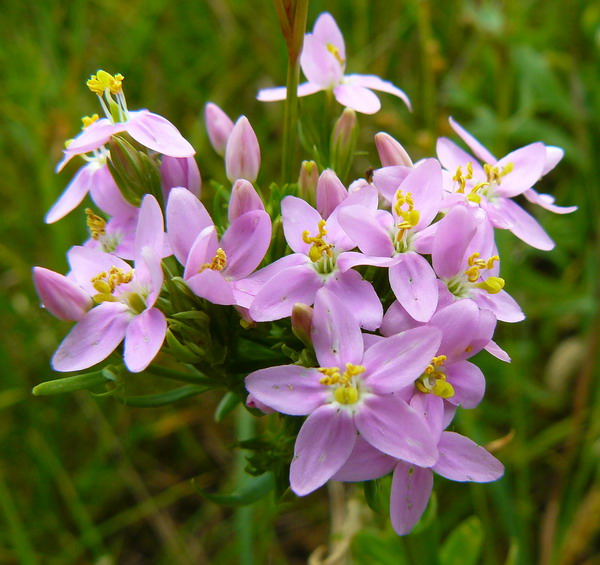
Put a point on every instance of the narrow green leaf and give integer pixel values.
(69, 384)
(228, 403)
(252, 489)
(163, 398)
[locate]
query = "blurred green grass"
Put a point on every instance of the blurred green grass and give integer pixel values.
(87, 480)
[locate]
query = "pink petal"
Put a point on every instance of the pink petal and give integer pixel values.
(242, 154)
(299, 216)
(150, 228)
(375, 83)
(494, 349)
(91, 138)
(365, 463)
(218, 127)
(330, 193)
(244, 198)
(211, 285)
(358, 98)
(415, 285)
(93, 338)
(468, 383)
(144, 338)
(60, 296)
(180, 171)
(73, 194)
(335, 333)
(553, 157)
(478, 150)
(463, 460)
(398, 361)
(459, 324)
(424, 183)
(503, 305)
(411, 489)
(87, 263)
(280, 92)
(289, 389)
(323, 445)
(525, 226)
(319, 65)
(107, 196)
(202, 252)
(363, 227)
(327, 31)
(528, 163)
(391, 152)
(158, 133)
(451, 156)
(148, 271)
(432, 409)
(388, 180)
(392, 426)
(546, 201)
(397, 320)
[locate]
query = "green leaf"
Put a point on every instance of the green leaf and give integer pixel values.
(70, 384)
(163, 398)
(252, 489)
(227, 404)
(371, 547)
(463, 545)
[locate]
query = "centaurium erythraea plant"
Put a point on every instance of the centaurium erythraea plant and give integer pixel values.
(277, 296)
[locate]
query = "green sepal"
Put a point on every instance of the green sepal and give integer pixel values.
(228, 403)
(163, 398)
(180, 351)
(252, 489)
(377, 494)
(70, 384)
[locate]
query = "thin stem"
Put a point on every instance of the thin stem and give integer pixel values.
(290, 118)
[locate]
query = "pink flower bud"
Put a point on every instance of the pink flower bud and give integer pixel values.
(252, 402)
(343, 142)
(308, 180)
(218, 127)
(242, 154)
(301, 322)
(330, 193)
(60, 296)
(244, 198)
(391, 153)
(180, 171)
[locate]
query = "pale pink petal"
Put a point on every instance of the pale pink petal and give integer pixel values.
(158, 133)
(431, 408)
(424, 183)
(358, 98)
(280, 92)
(242, 154)
(323, 445)
(330, 193)
(375, 83)
(91, 138)
(93, 338)
(463, 460)
(327, 31)
(459, 324)
(218, 127)
(148, 270)
(415, 285)
(494, 349)
(346, 261)
(278, 295)
(392, 426)
(391, 152)
(150, 228)
(73, 194)
(335, 332)
(299, 216)
(468, 383)
(180, 171)
(245, 243)
(397, 320)
(87, 263)
(144, 338)
(60, 296)
(546, 201)
(411, 489)
(365, 463)
(364, 229)
(388, 180)
(211, 285)
(319, 65)
(451, 156)
(398, 361)
(528, 163)
(525, 226)
(502, 304)
(107, 196)
(244, 198)
(553, 157)
(289, 389)
(478, 150)
(186, 218)
(359, 296)
(202, 252)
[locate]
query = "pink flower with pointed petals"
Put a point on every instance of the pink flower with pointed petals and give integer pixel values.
(61, 296)
(491, 183)
(323, 61)
(126, 300)
(351, 393)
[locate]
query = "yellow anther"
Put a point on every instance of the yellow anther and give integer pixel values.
(476, 265)
(102, 81)
(469, 170)
(95, 224)
(439, 360)
(434, 381)
(508, 168)
(494, 174)
(490, 261)
(335, 52)
(468, 349)
(332, 375)
(473, 258)
(89, 120)
(443, 388)
(319, 246)
(346, 391)
(492, 285)
(410, 216)
(218, 263)
(462, 179)
(106, 283)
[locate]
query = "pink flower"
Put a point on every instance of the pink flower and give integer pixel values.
(323, 61)
(126, 299)
(351, 393)
(60, 295)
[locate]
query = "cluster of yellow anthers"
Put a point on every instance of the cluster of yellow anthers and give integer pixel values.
(434, 381)
(89, 120)
(494, 174)
(95, 224)
(102, 81)
(106, 283)
(410, 216)
(218, 263)
(492, 285)
(319, 246)
(335, 52)
(346, 392)
(462, 183)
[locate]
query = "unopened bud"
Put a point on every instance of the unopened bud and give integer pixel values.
(343, 142)
(244, 198)
(218, 127)
(60, 296)
(242, 154)
(301, 322)
(330, 193)
(391, 153)
(308, 180)
(180, 171)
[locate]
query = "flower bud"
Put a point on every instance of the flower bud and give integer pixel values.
(301, 322)
(242, 154)
(60, 296)
(308, 180)
(330, 193)
(218, 127)
(343, 142)
(244, 198)
(390, 151)
(180, 171)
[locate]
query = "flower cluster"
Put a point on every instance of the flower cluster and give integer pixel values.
(391, 286)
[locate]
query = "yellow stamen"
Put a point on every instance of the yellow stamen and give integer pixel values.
(89, 120)
(95, 224)
(319, 246)
(494, 174)
(434, 381)
(335, 52)
(492, 285)
(106, 283)
(102, 81)
(218, 263)
(346, 391)
(410, 216)
(495, 284)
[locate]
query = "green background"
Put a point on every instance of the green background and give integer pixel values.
(84, 479)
